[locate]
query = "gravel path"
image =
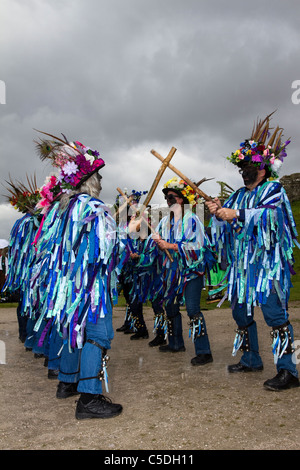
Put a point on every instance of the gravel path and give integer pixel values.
(168, 403)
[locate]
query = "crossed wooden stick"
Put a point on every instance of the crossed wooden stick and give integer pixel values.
(185, 178)
(165, 164)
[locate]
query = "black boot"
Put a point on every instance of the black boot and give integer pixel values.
(201, 359)
(66, 390)
(282, 381)
(242, 368)
(122, 328)
(53, 374)
(140, 335)
(157, 341)
(98, 406)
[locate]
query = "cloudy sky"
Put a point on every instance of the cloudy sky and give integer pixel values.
(128, 76)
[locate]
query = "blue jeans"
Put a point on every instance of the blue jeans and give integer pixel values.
(53, 349)
(274, 315)
(192, 295)
(83, 365)
(33, 337)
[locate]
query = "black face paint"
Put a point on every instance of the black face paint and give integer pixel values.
(249, 174)
(171, 199)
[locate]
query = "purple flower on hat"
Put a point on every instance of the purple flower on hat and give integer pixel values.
(257, 158)
(70, 168)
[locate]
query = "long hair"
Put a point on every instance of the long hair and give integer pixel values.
(92, 187)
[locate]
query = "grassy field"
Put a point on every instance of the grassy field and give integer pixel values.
(295, 291)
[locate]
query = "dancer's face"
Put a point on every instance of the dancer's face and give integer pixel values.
(249, 174)
(172, 198)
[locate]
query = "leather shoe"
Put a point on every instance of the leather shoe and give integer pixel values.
(121, 328)
(66, 390)
(166, 348)
(201, 359)
(242, 368)
(140, 335)
(128, 331)
(157, 341)
(99, 407)
(53, 373)
(282, 381)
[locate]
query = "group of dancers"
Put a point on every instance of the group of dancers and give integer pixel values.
(69, 256)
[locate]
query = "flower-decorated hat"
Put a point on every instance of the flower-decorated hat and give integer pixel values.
(263, 149)
(136, 195)
(75, 162)
(183, 190)
(24, 198)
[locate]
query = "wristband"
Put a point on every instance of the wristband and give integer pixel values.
(235, 225)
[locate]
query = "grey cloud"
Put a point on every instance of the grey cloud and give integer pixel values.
(128, 76)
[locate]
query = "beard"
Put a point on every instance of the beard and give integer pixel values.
(249, 175)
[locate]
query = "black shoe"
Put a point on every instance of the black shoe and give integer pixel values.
(140, 335)
(282, 381)
(66, 390)
(52, 374)
(241, 368)
(128, 331)
(201, 359)
(167, 348)
(157, 341)
(122, 328)
(98, 407)
(38, 355)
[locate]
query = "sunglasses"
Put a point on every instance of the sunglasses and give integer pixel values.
(171, 197)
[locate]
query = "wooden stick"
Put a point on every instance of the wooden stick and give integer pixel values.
(125, 204)
(182, 176)
(187, 180)
(160, 172)
(146, 221)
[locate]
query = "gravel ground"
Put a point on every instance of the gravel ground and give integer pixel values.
(168, 404)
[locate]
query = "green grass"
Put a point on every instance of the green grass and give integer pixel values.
(295, 291)
(8, 305)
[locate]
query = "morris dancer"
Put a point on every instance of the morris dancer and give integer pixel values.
(133, 280)
(183, 236)
(78, 260)
(21, 255)
(256, 230)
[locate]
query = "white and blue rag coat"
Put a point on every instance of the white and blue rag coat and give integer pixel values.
(193, 257)
(260, 253)
(78, 259)
(21, 258)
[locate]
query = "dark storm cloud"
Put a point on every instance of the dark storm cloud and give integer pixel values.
(128, 76)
